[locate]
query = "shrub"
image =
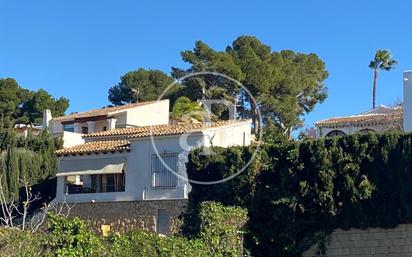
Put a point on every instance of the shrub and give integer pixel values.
(143, 244)
(18, 243)
(295, 192)
(221, 228)
(70, 237)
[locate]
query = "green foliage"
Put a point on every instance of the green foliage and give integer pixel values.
(186, 110)
(143, 244)
(382, 61)
(71, 237)
(32, 110)
(27, 158)
(18, 243)
(19, 105)
(141, 85)
(285, 84)
(221, 228)
(295, 192)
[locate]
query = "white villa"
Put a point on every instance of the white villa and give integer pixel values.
(121, 177)
(377, 120)
(74, 126)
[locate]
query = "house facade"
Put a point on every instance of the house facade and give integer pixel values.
(71, 128)
(377, 120)
(136, 177)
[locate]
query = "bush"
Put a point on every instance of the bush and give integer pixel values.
(71, 237)
(221, 229)
(143, 244)
(18, 243)
(296, 192)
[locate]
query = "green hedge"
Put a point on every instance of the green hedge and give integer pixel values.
(297, 192)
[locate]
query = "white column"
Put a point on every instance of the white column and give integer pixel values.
(91, 126)
(111, 123)
(407, 101)
(77, 128)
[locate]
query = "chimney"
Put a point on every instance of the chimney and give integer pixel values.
(47, 117)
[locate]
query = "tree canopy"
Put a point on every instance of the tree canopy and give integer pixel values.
(20, 105)
(140, 85)
(285, 84)
(186, 110)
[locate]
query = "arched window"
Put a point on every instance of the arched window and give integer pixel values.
(335, 133)
(366, 130)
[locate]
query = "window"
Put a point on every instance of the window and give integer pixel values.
(68, 127)
(335, 133)
(161, 175)
(366, 131)
(85, 130)
(81, 184)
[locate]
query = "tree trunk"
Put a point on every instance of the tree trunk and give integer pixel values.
(375, 78)
(255, 120)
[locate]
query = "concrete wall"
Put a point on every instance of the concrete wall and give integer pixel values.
(126, 216)
(374, 242)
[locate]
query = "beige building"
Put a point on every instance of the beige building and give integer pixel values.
(377, 120)
(74, 126)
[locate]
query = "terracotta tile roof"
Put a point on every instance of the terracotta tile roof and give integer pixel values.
(96, 147)
(101, 112)
(161, 130)
(381, 114)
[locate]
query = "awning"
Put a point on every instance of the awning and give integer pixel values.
(91, 166)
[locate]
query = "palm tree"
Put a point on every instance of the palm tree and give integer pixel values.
(383, 60)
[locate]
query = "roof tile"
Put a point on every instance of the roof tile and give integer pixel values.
(96, 147)
(100, 112)
(161, 130)
(381, 114)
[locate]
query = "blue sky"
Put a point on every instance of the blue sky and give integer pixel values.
(78, 49)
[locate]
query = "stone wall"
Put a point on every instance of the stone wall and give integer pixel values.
(375, 242)
(125, 216)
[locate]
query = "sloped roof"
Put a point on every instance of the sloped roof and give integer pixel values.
(96, 147)
(102, 111)
(161, 130)
(382, 114)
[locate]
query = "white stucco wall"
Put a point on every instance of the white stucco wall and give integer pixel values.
(156, 113)
(234, 134)
(351, 130)
(407, 101)
(138, 172)
(69, 138)
(138, 169)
